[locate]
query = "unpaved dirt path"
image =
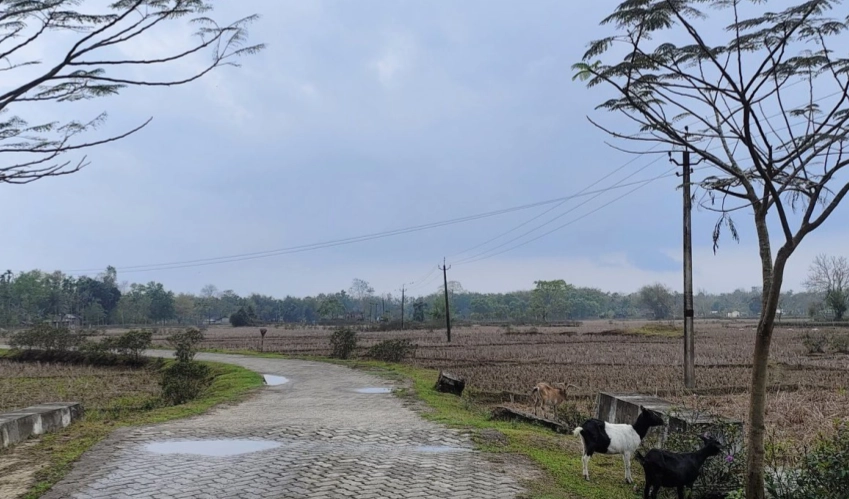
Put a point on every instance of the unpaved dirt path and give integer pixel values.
(332, 442)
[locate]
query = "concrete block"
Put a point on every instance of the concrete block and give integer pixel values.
(19, 425)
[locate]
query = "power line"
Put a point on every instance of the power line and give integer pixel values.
(336, 242)
(556, 205)
(562, 214)
(474, 259)
(570, 222)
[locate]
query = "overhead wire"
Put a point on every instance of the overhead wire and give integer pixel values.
(474, 258)
(333, 243)
(560, 215)
(367, 237)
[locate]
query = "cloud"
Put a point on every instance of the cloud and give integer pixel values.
(396, 57)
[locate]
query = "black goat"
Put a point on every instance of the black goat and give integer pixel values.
(674, 469)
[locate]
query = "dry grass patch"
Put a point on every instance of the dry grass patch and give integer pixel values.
(24, 384)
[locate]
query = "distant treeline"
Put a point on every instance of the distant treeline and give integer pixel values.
(36, 296)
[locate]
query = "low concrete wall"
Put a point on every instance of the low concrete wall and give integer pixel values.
(19, 425)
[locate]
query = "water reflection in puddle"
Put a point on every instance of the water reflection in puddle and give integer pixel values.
(216, 448)
(439, 449)
(373, 389)
(273, 380)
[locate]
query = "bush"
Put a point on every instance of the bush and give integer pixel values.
(392, 350)
(131, 344)
(823, 471)
(184, 381)
(569, 415)
(814, 342)
(839, 343)
(48, 338)
(185, 344)
(343, 343)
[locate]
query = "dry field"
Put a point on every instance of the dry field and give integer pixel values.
(808, 391)
(23, 384)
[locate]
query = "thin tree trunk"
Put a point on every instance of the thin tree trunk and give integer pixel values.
(773, 276)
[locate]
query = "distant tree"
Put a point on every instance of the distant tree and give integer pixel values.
(331, 308)
(658, 299)
(90, 65)
(185, 307)
(550, 299)
(669, 68)
(161, 302)
(419, 310)
(829, 275)
(241, 318)
(361, 291)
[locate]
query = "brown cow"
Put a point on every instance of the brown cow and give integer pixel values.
(548, 394)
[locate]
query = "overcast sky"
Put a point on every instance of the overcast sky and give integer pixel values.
(362, 117)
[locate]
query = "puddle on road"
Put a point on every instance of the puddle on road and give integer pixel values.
(438, 449)
(215, 448)
(272, 380)
(373, 389)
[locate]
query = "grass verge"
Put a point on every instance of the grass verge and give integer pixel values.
(559, 456)
(58, 451)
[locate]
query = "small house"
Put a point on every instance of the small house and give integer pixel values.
(69, 321)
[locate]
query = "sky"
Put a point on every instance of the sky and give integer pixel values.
(366, 117)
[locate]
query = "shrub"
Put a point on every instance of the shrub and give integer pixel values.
(392, 350)
(823, 473)
(184, 381)
(814, 342)
(343, 343)
(840, 343)
(569, 415)
(131, 344)
(185, 344)
(48, 338)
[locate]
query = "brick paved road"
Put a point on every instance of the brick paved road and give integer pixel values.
(333, 443)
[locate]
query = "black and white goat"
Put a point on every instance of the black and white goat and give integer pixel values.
(674, 469)
(602, 437)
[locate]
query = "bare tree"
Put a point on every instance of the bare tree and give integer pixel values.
(774, 152)
(829, 275)
(90, 66)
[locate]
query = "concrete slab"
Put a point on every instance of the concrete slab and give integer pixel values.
(19, 425)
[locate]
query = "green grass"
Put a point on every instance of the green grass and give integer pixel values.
(558, 455)
(59, 450)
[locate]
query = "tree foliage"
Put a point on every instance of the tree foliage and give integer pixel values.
(776, 153)
(658, 299)
(34, 296)
(84, 64)
(550, 299)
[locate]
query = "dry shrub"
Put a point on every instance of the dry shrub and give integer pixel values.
(343, 342)
(392, 350)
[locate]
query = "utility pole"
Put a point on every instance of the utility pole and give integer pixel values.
(403, 286)
(689, 344)
(444, 270)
